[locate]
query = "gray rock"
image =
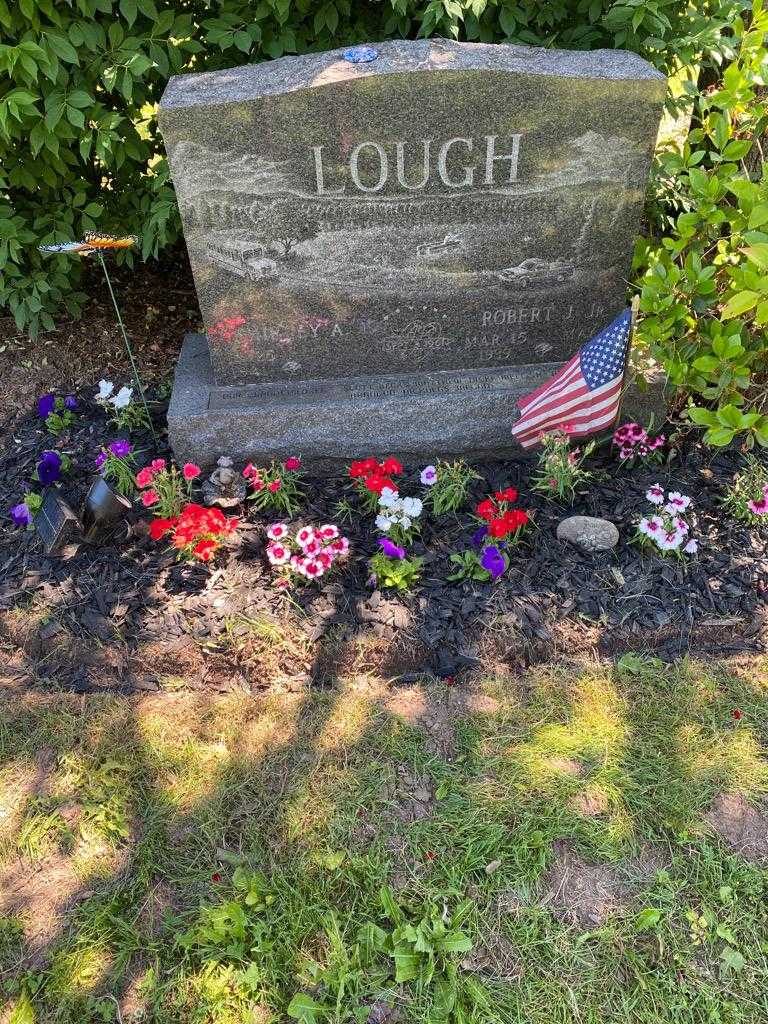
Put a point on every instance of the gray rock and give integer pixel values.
(588, 533)
(434, 231)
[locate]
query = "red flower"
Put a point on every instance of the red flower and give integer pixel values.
(449, 680)
(391, 466)
(736, 715)
(149, 498)
(144, 477)
(251, 472)
(216, 877)
(357, 469)
(498, 528)
(486, 509)
(292, 463)
(275, 486)
(515, 518)
(159, 527)
(205, 550)
(156, 465)
(190, 471)
(510, 494)
(376, 483)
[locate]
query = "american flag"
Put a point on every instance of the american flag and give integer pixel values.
(584, 395)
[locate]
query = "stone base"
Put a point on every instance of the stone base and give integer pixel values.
(328, 423)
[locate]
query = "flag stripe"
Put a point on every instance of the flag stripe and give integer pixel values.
(574, 415)
(585, 425)
(571, 406)
(528, 400)
(556, 388)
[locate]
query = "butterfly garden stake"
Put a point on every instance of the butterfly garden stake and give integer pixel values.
(95, 244)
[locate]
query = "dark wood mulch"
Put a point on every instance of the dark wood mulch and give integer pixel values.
(123, 614)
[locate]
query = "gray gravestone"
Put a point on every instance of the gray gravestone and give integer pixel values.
(388, 254)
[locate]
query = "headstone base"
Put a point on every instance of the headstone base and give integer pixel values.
(329, 423)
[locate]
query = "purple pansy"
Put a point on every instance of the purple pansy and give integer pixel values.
(493, 561)
(45, 406)
(390, 549)
(21, 515)
(121, 448)
(49, 468)
(70, 402)
(479, 535)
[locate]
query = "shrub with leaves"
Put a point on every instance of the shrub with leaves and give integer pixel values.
(747, 497)
(705, 282)
(79, 84)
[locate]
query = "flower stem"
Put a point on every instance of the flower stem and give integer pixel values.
(128, 348)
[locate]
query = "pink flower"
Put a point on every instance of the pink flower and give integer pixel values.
(329, 531)
(655, 494)
(313, 568)
(277, 531)
(149, 498)
(325, 558)
(760, 507)
(190, 471)
(144, 477)
(305, 535)
(691, 547)
(312, 547)
(156, 465)
(340, 546)
(278, 554)
(251, 472)
(292, 463)
(677, 502)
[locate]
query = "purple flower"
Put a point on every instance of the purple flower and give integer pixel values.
(493, 561)
(120, 449)
(390, 549)
(479, 535)
(45, 406)
(100, 459)
(70, 402)
(21, 515)
(49, 468)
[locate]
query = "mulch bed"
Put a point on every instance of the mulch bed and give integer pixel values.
(123, 614)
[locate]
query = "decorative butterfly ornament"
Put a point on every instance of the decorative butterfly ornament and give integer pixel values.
(93, 242)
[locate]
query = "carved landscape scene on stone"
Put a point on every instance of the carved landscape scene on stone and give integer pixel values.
(431, 219)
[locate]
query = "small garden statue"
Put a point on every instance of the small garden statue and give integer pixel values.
(224, 487)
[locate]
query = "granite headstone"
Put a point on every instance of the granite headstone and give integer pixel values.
(388, 253)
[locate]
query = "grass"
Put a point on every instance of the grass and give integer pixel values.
(217, 859)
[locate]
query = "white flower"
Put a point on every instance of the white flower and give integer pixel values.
(677, 502)
(122, 398)
(383, 523)
(405, 522)
(670, 541)
(643, 527)
(681, 526)
(106, 387)
(428, 476)
(277, 531)
(691, 547)
(655, 494)
(412, 507)
(388, 497)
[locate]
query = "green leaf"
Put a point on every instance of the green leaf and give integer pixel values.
(758, 253)
(719, 436)
(23, 1012)
(703, 417)
(732, 958)
(62, 48)
(406, 963)
(758, 216)
(456, 942)
(128, 10)
(739, 303)
(304, 1008)
(647, 918)
(79, 98)
(730, 416)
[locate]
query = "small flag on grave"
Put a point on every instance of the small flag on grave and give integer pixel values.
(584, 395)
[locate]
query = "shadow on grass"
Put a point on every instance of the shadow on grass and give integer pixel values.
(152, 804)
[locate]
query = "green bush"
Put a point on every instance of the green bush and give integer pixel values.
(705, 282)
(79, 148)
(80, 80)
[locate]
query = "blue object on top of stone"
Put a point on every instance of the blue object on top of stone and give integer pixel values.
(360, 54)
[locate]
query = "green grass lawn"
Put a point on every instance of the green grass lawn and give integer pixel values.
(580, 844)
